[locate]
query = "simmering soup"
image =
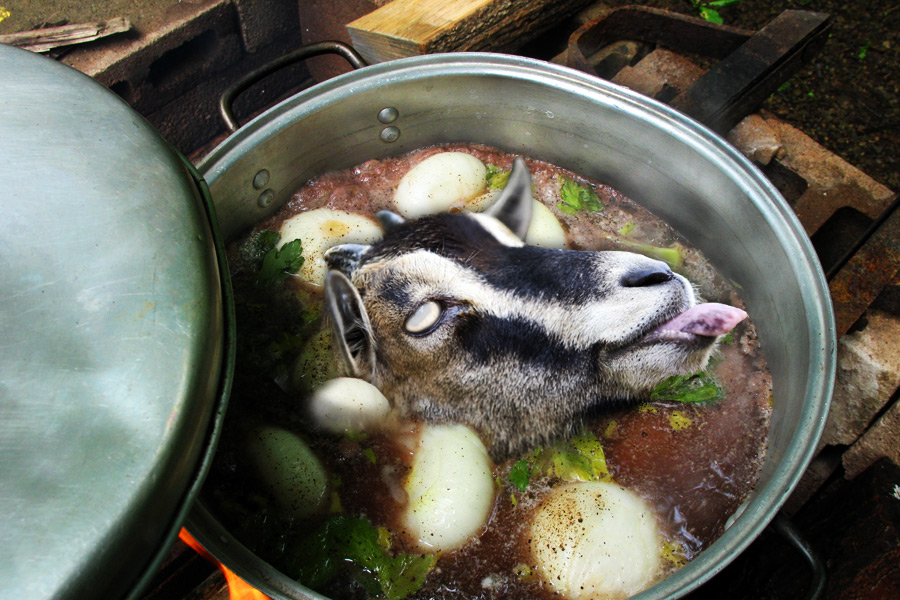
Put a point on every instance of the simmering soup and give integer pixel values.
(320, 476)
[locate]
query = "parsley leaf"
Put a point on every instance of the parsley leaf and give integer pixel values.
(577, 197)
(496, 178)
(590, 447)
(628, 229)
(570, 466)
(278, 263)
(678, 421)
(580, 459)
(699, 387)
(671, 256)
(354, 547)
(520, 474)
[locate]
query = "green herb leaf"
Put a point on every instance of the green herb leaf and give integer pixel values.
(405, 574)
(278, 263)
(678, 421)
(864, 50)
(565, 208)
(570, 466)
(354, 547)
(520, 474)
(580, 459)
(570, 193)
(627, 229)
(496, 178)
(577, 197)
(590, 447)
(673, 552)
(710, 15)
(699, 387)
(266, 240)
(671, 256)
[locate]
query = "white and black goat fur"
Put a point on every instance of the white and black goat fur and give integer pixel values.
(454, 318)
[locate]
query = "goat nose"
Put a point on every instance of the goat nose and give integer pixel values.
(646, 275)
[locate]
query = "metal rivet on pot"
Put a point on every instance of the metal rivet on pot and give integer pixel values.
(266, 198)
(261, 179)
(388, 115)
(390, 134)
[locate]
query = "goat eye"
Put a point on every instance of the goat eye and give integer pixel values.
(425, 317)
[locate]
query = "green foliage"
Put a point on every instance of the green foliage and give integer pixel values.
(277, 263)
(864, 50)
(579, 459)
(350, 546)
(590, 448)
(577, 197)
(671, 256)
(496, 178)
(699, 387)
(707, 10)
(520, 474)
(627, 229)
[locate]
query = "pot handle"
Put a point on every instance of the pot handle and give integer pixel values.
(784, 527)
(226, 100)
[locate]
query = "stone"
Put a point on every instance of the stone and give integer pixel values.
(659, 69)
(882, 440)
(868, 374)
(756, 140)
(833, 182)
(673, 69)
(638, 81)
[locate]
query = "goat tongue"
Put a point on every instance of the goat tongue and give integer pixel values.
(710, 320)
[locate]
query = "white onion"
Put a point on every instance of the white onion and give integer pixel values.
(322, 228)
(348, 404)
(545, 230)
(450, 488)
(439, 183)
(592, 541)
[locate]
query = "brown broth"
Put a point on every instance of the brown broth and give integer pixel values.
(693, 463)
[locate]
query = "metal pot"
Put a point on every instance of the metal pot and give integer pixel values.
(665, 161)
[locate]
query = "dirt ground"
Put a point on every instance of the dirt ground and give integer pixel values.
(848, 98)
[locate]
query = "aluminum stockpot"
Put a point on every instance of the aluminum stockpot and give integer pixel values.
(660, 158)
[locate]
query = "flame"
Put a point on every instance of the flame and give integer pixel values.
(238, 589)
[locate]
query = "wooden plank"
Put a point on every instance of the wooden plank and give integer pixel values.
(44, 40)
(410, 27)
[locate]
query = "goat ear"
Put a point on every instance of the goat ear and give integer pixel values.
(350, 326)
(344, 257)
(513, 207)
(389, 219)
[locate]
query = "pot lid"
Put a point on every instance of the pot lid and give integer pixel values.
(112, 338)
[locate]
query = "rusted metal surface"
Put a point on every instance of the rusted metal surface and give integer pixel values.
(870, 266)
(740, 83)
(753, 64)
(676, 32)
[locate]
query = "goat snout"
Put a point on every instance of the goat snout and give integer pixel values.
(646, 274)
